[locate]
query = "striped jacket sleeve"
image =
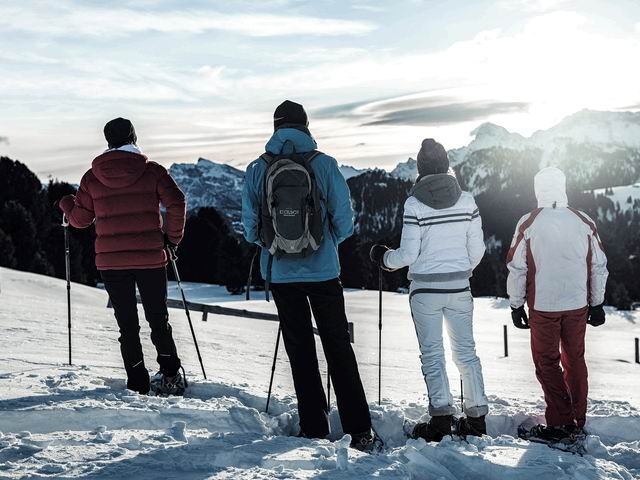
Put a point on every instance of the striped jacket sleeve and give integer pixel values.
(409, 243)
(517, 266)
(598, 272)
(475, 238)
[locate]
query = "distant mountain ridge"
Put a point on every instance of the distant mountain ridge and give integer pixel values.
(597, 150)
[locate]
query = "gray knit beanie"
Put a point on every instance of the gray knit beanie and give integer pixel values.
(432, 158)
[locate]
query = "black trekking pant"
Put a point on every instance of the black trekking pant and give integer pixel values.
(327, 303)
(152, 285)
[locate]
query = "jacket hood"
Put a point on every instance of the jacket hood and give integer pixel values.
(438, 191)
(119, 168)
(550, 187)
(293, 138)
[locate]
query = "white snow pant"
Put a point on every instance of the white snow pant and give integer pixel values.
(428, 310)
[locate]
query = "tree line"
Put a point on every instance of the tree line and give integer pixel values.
(31, 235)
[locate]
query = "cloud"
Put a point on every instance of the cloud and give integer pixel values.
(537, 6)
(4, 140)
(73, 20)
(422, 109)
(448, 113)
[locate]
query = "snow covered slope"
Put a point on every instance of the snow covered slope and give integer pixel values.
(625, 198)
(80, 421)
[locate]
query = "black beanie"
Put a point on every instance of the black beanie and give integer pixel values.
(288, 114)
(119, 132)
(432, 158)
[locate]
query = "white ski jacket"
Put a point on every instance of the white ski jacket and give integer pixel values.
(442, 237)
(556, 261)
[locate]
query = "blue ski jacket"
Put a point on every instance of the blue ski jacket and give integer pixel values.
(337, 214)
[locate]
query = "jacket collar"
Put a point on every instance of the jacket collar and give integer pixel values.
(293, 138)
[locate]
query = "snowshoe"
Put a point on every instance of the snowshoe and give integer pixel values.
(465, 426)
(367, 442)
(163, 385)
(435, 429)
(567, 438)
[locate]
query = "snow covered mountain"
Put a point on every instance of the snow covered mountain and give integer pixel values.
(80, 421)
(210, 184)
(596, 149)
(406, 170)
(348, 171)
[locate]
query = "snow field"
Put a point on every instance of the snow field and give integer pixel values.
(80, 421)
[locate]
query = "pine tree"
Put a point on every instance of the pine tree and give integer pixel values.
(7, 251)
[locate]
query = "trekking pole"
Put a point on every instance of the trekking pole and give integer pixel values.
(328, 389)
(461, 396)
(173, 256)
(379, 335)
(273, 370)
(67, 264)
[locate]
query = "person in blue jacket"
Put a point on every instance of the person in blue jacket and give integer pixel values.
(304, 284)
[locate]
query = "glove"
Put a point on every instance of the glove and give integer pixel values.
(171, 247)
(168, 243)
(596, 316)
(519, 318)
(376, 254)
(66, 203)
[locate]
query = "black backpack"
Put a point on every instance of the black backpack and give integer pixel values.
(290, 217)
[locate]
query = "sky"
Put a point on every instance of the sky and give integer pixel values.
(202, 78)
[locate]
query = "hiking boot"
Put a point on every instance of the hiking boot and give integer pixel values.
(555, 434)
(435, 429)
(165, 385)
(138, 378)
(367, 442)
(475, 426)
(302, 434)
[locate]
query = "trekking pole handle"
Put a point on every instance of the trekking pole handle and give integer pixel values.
(65, 220)
(173, 254)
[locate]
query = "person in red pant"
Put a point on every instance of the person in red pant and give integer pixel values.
(557, 264)
(121, 193)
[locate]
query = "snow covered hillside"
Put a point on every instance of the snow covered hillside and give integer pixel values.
(80, 421)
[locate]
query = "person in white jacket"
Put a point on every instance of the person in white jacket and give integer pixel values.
(442, 242)
(557, 265)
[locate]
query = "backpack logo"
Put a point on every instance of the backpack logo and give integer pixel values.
(288, 212)
(290, 216)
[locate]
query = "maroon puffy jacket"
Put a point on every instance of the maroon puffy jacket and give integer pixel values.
(121, 193)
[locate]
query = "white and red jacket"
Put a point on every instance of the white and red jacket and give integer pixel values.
(556, 261)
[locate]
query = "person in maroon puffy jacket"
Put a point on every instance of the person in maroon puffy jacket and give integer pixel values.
(121, 193)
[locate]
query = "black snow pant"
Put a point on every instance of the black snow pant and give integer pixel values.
(327, 303)
(152, 285)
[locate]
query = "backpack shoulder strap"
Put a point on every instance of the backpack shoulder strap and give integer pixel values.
(267, 157)
(309, 156)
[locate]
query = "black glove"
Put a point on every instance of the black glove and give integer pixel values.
(519, 317)
(376, 254)
(596, 316)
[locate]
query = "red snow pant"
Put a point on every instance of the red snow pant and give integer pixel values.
(558, 338)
